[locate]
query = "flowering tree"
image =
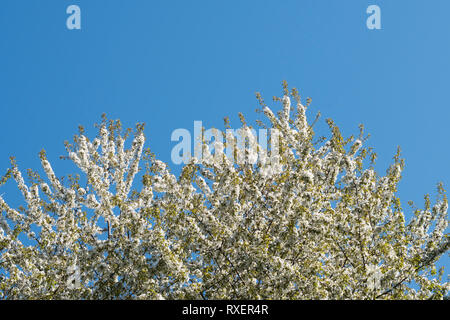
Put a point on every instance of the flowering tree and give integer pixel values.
(317, 223)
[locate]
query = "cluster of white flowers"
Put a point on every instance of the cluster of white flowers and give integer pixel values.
(314, 224)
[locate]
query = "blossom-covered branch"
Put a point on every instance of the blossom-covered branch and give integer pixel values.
(317, 223)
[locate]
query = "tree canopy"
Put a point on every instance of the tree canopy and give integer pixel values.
(311, 219)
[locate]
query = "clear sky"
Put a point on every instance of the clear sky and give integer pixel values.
(168, 63)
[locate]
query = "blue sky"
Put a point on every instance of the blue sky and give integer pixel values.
(168, 63)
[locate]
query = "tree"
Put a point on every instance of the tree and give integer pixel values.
(312, 221)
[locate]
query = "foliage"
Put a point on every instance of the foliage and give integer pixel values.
(319, 223)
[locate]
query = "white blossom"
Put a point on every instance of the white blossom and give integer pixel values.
(307, 221)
